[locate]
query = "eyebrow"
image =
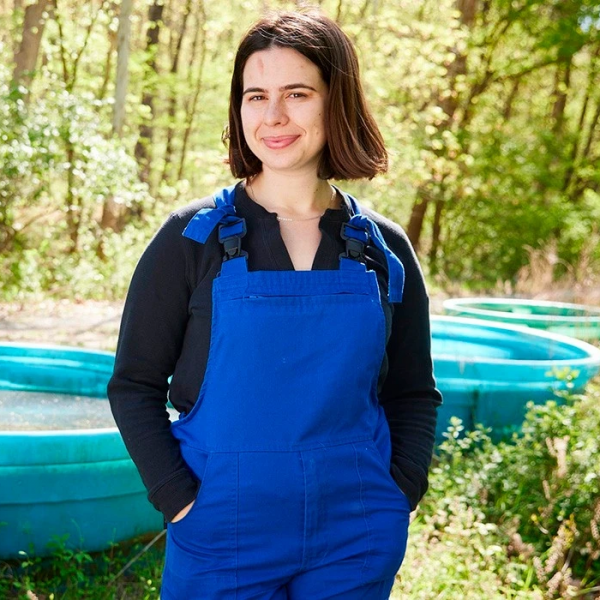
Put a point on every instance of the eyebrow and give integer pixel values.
(290, 86)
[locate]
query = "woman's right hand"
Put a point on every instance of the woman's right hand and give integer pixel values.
(184, 511)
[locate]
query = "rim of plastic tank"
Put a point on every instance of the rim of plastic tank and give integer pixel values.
(100, 431)
(465, 304)
(61, 347)
(592, 358)
(40, 433)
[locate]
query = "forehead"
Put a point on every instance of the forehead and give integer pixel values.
(280, 66)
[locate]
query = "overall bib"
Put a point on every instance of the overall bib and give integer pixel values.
(287, 436)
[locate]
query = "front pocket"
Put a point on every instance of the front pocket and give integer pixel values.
(387, 512)
(199, 466)
(385, 469)
(206, 535)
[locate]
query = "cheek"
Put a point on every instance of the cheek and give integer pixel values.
(247, 125)
(245, 118)
(320, 125)
(320, 128)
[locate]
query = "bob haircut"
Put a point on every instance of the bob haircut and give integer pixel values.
(355, 147)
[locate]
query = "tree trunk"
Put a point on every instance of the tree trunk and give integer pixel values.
(586, 158)
(112, 40)
(417, 218)
(592, 74)
(562, 81)
(190, 109)
(507, 112)
(110, 209)
(143, 146)
(33, 29)
(436, 235)
(173, 94)
(123, 37)
(449, 104)
(468, 11)
(73, 201)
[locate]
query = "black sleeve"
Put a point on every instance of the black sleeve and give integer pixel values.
(408, 395)
(152, 330)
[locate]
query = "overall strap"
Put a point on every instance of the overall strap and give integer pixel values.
(357, 233)
(231, 229)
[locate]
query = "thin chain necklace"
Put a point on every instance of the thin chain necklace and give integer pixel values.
(307, 218)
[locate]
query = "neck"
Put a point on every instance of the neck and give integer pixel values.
(293, 196)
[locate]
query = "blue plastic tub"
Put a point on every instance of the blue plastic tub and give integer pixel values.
(576, 320)
(487, 372)
(79, 483)
(82, 483)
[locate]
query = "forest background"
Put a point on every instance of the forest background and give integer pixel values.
(111, 114)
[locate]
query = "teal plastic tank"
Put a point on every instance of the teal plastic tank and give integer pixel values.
(487, 372)
(82, 483)
(75, 482)
(576, 320)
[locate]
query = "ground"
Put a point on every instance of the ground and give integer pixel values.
(86, 324)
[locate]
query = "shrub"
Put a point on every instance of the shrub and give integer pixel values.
(541, 490)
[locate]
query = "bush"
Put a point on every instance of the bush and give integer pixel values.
(541, 490)
(58, 165)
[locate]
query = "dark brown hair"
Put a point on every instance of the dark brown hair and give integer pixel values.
(355, 147)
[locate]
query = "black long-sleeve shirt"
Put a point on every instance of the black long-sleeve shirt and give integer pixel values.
(165, 331)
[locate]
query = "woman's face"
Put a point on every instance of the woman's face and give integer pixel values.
(283, 110)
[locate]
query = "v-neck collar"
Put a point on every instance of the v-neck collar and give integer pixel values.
(267, 224)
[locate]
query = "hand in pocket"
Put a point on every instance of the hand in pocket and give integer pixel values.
(184, 511)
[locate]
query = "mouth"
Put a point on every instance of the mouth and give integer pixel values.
(278, 142)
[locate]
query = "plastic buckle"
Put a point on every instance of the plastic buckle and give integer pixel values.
(230, 235)
(356, 240)
(232, 247)
(354, 250)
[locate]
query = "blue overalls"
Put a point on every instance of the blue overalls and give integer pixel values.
(287, 435)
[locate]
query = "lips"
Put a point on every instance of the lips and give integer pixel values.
(279, 142)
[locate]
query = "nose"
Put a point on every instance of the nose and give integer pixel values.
(275, 112)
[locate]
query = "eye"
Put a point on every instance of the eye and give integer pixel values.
(255, 98)
(297, 95)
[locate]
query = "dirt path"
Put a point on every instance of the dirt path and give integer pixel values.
(87, 324)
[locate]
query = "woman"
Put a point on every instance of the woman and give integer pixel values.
(294, 323)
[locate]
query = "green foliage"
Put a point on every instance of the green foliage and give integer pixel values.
(29, 152)
(68, 574)
(491, 124)
(61, 151)
(552, 494)
(538, 494)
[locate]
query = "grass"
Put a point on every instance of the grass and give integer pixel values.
(454, 556)
(460, 557)
(68, 574)
(458, 563)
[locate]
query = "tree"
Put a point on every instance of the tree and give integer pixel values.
(25, 59)
(110, 209)
(179, 35)
(143, 146)
(448, 102)
(123, 36)
(192, 102)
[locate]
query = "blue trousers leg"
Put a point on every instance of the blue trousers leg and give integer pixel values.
(312, 585)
